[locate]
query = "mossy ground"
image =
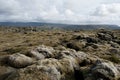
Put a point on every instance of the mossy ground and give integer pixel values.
(13, 42)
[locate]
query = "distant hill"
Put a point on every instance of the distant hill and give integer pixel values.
(58, 26)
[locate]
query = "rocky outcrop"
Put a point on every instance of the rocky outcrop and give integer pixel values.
(48, 63)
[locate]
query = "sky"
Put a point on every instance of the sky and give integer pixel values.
(61, 11)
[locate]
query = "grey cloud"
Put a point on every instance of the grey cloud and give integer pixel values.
(60, 11)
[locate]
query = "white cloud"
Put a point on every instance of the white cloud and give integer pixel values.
(108, 13)
(108, 10)
(60, 11)
(7, 7)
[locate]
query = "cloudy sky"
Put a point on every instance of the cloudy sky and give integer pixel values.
(61, 11)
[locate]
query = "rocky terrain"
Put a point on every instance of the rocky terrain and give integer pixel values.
(59, 54)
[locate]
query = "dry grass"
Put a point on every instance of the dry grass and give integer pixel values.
(14, 42)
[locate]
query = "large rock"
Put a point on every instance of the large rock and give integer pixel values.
(19, 60)
(35, 54)
(42, 52)
(80, 36)
(105, 35)
(114, 45)
(45, 50)
(64, 66)
(104, 70)
(92, 40)
(50, 64)
(47, 69)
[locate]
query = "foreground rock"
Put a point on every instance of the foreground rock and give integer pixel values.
(55, 64)
(105, 71)
(19, 60)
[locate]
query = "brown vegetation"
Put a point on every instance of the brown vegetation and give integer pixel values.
(21, 50)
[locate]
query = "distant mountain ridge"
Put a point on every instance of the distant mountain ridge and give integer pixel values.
(59, 26)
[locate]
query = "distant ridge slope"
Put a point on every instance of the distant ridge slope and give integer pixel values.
(59, 26)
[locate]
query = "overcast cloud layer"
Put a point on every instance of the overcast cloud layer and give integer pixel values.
(61, 11)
